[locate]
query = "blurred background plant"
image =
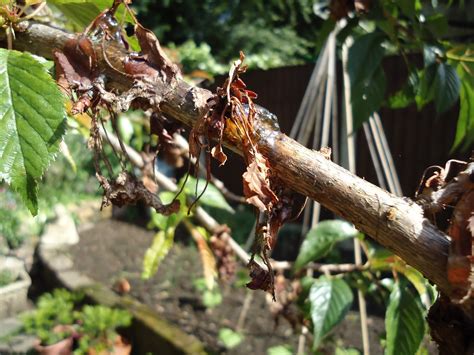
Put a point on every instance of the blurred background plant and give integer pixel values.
(69, 180)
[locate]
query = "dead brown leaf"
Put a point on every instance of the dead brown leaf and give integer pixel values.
(154, 54)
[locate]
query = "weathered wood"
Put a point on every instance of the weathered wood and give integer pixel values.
(396, 223)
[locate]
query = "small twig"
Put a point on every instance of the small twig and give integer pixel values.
(181, 142)
(243, 313)
(34, 13)
(323, 268)
(302, 340)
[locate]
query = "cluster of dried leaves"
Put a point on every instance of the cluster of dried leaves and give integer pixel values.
(233, 114)
(80, 76)
(447, 197)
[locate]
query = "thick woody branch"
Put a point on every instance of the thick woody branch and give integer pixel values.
(396, 223)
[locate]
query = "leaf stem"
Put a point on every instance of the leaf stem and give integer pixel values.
(459, 58)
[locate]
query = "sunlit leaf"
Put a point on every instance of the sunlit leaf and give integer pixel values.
(229, 338)
(207, 257)
(404, 322)
(83, 12)
(32, 118)
(280, 350)
(349, 351)
(212, 298)
(162, 243)
(320, 240)
(330, 301)
(163, 240)
(416, 279)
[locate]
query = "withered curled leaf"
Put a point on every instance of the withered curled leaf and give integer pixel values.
(127, 190)
(261, 279)
(257, 184)
(154, 54)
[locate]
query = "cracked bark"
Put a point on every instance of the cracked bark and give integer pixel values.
(396, 223)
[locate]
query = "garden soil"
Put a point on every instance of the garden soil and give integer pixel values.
(113, 250)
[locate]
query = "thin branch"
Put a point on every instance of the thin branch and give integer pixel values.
(183, 144)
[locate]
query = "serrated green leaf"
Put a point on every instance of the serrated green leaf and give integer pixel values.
(330, 301)
(212, 197)
(162, 243)
(32, 123)
(412, 275)
(320, 240)
(446, 87)
(404, 322)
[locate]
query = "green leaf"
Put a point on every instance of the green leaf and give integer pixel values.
(32, 123)
(320, 240)
(465, 125)
(163, 240)
(425, 91)
(381, 259)
(330, 301)
(367, 76)
(404, 322)
(437, 25)
(408, 7)
(212, 197)
(367, 97)
(431, 54)
(365, 56)
(211, 298)
(229, 338)
(405, 96)
(280, 350)
(446, 87)
(162, 243)
(349, 351)
(83, 12)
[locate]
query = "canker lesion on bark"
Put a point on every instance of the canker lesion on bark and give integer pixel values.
(396, 223)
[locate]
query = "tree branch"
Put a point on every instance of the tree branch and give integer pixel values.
(396, 223)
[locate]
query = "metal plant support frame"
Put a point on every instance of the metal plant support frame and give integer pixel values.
(318, 114)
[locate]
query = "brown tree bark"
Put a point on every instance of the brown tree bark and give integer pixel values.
(396, 223)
